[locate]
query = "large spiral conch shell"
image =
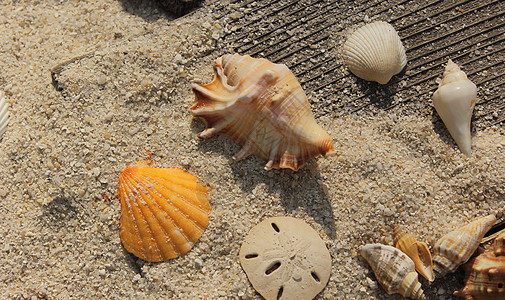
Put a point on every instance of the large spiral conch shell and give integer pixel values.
(417, 251)
(163, 211)
(485, 274)
(394, 270)
(4, 113)
(454, 101)
(262, 107)
(375, 52)
(456, 247)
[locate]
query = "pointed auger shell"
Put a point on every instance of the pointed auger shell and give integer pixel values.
(262, 107)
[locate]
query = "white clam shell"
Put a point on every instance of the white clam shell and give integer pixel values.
(375, 52)
(4, 113)
(454, 101)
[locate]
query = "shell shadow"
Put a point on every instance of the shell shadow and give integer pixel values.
(59, 212)
(300, 189)
(380, 95)
(152, 10)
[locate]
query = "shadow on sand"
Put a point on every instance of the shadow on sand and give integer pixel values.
(300, 189)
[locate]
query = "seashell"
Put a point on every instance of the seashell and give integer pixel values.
(417, 251)
(375, 52)
(4, 113)
(163, 211)
(456, 247)
(394, 270)
(284, 258)
(454, 101)
(262, 107)
(485, 274)
(499, 244)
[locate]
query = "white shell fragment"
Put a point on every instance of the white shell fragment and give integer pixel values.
(394, 270)
(375, 52)
(4, 113)
(454, 101)
(284, 258)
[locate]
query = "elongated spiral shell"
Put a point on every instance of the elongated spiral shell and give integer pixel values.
(485, 274)
(4, 113)
(163, 211)
(394, 270)
(417, 251)
(262, 107)
(454, 101)
(456, 247)
(375, 52)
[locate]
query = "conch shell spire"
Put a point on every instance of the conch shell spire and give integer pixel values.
(262, 107)
(454, 101)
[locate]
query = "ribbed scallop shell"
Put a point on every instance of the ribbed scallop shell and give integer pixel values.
(485, 274)
(262, 107)
(4, 113)
(456, 247)
(394, 270)
(163, 211)
(454, 101)
(417, 251)
(375, 52)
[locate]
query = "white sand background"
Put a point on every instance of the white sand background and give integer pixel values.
(124, 81)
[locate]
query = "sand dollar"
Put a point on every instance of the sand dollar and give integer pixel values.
(284, 258)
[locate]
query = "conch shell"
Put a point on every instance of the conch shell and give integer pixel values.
(163, 211)
(394, 270)
(4, 113)
(485, 274)
(262, 107)
(375, 52)
(417, 251)
(454, 101)
(456, 247)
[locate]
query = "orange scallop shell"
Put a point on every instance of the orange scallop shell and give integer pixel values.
(262, 107)
(163, 211)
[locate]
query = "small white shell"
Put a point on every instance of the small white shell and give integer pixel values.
(4, 113)
(454, 101)
(375, 52)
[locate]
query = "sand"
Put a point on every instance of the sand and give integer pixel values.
(121, 84)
